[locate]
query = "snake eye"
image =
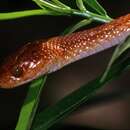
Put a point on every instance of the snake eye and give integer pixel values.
(17, 71)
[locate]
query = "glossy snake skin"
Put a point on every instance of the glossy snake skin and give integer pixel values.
(45, 56)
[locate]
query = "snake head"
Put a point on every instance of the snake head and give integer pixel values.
(23, 66)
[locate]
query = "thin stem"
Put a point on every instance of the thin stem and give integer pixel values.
(26, 13)
(120, 49)
(75, 27)
(93, 16)
(53, 7)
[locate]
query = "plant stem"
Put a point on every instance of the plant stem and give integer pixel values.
(26, 13)
(120, 49)
(93, 16)
(75, 27)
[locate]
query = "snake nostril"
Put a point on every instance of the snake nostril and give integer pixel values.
(17, 71)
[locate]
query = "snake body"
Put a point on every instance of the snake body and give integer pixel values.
(45, 56)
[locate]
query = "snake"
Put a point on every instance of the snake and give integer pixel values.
(44, 56)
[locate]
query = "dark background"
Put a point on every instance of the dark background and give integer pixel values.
(15, 33)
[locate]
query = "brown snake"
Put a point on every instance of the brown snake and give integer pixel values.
(45, 56)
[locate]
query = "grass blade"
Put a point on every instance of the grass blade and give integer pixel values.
(117, 53)
(60, 110)
(77, 26)
(30, 104)
(52, 7)
(60, 4)
(96, 7)
(80, 5)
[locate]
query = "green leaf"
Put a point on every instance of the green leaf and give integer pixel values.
(30, 104)
(51, 6)
(75, 27)
(57, 2)
(80, 5)
(68, 104)
(120, 49)
(96, 6)
(39, 4)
